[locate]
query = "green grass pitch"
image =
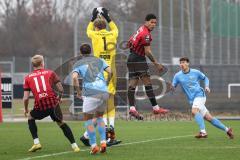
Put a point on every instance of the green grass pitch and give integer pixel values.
(141, 141)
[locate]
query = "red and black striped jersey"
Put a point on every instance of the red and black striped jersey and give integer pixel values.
(40, 82)
(140, 39)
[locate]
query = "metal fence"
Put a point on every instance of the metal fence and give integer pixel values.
(190, 28)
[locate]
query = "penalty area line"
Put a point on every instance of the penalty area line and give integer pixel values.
(119, 145)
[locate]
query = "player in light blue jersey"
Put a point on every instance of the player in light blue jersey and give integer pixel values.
(94, 94)
(188, 79)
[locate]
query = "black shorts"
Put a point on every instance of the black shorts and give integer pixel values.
(137, 66)
(55, 114)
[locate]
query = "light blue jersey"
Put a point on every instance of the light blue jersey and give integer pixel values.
(91, 69)
(190, 83)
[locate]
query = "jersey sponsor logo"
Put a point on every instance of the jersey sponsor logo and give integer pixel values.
(105, 57)
(42, 95)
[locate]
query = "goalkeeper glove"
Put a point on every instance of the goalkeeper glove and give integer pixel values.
(94, 14)
(106, 15)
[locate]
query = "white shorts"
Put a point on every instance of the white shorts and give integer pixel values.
(96, 103)
(199, 103)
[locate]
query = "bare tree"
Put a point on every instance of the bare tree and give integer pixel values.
(29, 25)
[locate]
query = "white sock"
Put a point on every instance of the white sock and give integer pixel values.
(104, 141)
(36, 141)
(74, 145)
(226, 129)
(111, 121)
(86, 135)
(203, 131)
(132, 108)
(156, 107)
(93, 145)
(105, 121)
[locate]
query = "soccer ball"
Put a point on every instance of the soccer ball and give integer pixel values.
(100, 11)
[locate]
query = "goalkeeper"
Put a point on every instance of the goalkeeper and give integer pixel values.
(104, 46)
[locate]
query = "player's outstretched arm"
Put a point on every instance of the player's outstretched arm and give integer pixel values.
(112, 25)
(90, 27)
(76, 84)
(105, 14)
(113, 28)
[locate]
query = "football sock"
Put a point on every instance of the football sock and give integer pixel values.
(91, 132)
(112, 133)
(33, 128)
(132, 108)
(131, 96)
(68, 133)
(215, 122)
(74, 145)
(151, 95)
(101, 129)
(111, 121)
(36, 141)
(105, 121)
(86, 135)
(156, 107)
(200, 121)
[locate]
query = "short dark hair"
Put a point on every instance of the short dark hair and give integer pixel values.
(184, 59)
(85, 48)
(150, 16)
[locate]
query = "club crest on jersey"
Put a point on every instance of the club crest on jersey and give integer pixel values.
(147, 38)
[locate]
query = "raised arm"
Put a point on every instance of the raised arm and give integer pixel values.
(90, 30)
(90, 27)
(113, 28)
(112, 25)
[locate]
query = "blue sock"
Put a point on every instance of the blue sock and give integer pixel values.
(91, 131)
(218, 124)
(101, 129)
(200, 121)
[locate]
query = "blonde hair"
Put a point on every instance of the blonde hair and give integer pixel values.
(37, 60)
(100, 23)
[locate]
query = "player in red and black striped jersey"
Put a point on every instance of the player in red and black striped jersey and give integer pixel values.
(139, 45)
(41, 82)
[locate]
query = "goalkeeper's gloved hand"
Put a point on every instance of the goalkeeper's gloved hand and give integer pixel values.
(94, 14)
(106, 15)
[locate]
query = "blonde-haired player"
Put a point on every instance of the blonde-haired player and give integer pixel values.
(104, 46)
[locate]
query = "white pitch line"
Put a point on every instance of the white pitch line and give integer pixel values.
(124, 144)
(151, 140)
